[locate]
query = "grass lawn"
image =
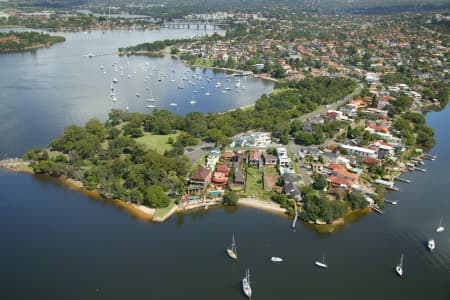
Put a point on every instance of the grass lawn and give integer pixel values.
(254, 184)
(270, 171)
(161, 212)
(156, 142)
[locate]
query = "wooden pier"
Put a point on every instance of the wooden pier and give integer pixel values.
(377, 210)
(294, 221)
(429, 156)
(391, 202)
(403, 180)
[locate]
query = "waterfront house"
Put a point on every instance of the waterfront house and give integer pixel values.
(360, 151)
(254, 158)
(269, 160)
(291, 187)
(199, 180)
(283, 159)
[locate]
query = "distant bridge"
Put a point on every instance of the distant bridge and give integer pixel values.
(192, 25)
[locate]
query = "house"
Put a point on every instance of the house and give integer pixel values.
(291, 188)
(283, 159)
(254, 158)
(213, 158)
(317, 167)
(341, 172)
(360, 151)
(228, 155)
(269, 160)
(239, 177)
(334, 115)
(260, 139)
(199, 180)
(220, 178)
(371, 161)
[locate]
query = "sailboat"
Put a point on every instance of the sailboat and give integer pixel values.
(276, 259)
(246, 288)
(233, 251)
(208, 93)
(431, 245)
(322, 263)
(193, 100)
(399, 267)
(151, 99)
(440, 227)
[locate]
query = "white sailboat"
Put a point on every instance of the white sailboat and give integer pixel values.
(246, 288)
(151, 99)
(208, 93)
(151, 106)
(322, 263)
(233, 251)
(193, 100)
(173, 104)
(399, 267)
(431, 245)
(440, 228)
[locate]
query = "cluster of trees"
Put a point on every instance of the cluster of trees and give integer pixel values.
(26, 40)
(156, 46)
(318, 133)
(318, 206)
(103, 157)
(414, 131)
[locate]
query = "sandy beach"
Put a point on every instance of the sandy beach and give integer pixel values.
(263, 205)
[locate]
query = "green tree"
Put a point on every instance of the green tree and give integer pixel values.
(155, 197)
(320, 182)
(230, 198)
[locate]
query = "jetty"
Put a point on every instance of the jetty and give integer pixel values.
(377, 210)
(403, 180)
(391, 202)
(294, 221)
(429, 156)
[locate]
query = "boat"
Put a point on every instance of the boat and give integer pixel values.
(399, 267)
(233, 251)
(138, 95)
(218, 84)
(431, 245)
(193, 100)
(115, 80)
(151, 106)
(440, 228)
(114, 98)
(276, 259)
(322, 263)
(173, 104)
(208, 93)
(151, 99)
(246, 288)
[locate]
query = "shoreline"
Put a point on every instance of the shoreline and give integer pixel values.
(267, 206)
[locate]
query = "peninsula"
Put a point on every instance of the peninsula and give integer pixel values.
(25, 41)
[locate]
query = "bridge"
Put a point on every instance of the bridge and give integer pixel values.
(193, 25)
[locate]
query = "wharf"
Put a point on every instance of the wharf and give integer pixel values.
(377, 210)
(391, 202)
(403, 180)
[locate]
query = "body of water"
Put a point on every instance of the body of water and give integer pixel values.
(44, 91)
(59, 244)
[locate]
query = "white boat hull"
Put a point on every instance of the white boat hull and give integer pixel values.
(399, 271)
(321, 264)
(231, 254)
(440, 229)
(276, 259)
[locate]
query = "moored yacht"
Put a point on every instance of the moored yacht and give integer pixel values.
(431, 245)
(232, 252)
(246, 288)
(399, 267)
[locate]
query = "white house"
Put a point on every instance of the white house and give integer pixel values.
(213, 158)
(283, 158)
(360, 151)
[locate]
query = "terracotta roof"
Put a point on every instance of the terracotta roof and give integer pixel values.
(201, 173)
(228, 154)
(347, 174)
(370, 161)
(223, 168)
(254, 155)
(220, 177)
(338, 180)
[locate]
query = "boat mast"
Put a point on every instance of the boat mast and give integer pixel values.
(401, 261)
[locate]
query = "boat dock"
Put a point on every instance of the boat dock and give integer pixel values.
(391, 202)
(421, 169)
(403, 180)
(429, 156)
(377, 210)
(294, 221)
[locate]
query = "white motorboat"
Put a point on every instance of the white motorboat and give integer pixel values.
(276, 259)
(246, 288)
(322, 263)
(173, 104)
(115, 80)
(151, 106)
(431, 245)
(232, 252)
(399, 267)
